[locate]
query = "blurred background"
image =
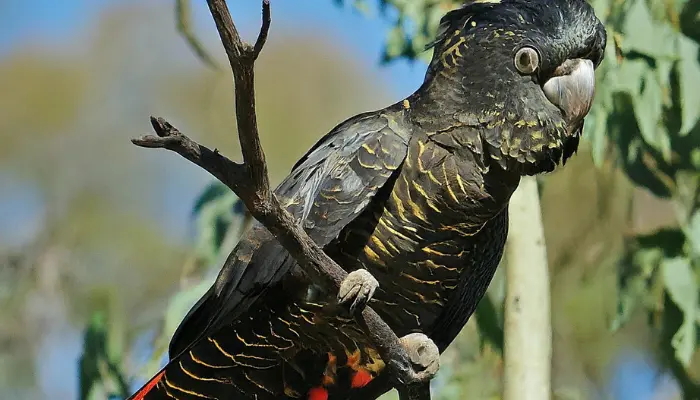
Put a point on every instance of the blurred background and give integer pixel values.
(104, 246)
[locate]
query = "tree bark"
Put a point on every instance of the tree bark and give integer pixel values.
(528, 329)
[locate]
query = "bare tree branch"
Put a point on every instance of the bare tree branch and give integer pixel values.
(251, 184)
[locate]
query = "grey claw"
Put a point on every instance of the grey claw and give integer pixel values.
(357, 290)
(424, 355)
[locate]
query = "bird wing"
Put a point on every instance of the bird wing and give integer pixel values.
(327, 188)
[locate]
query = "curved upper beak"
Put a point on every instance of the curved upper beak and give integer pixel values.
(572, 89)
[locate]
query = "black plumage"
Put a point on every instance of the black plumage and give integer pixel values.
(416, 193)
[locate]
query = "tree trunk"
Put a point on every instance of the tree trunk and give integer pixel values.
(528, 330)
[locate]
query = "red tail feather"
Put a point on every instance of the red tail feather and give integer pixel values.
(141, 394)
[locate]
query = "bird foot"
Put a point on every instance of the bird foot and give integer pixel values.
(357, 290)
(424, 355)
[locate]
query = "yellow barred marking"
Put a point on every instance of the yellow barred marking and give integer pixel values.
(414, 230)
(393, 247)
(374, 257)
(433, 178)
(430, 251)
(305, 318)
(461, 184)
(454, 228)
(428, 201)
(247, 344)
(376, 167)
(233, 358)
(257, 384)
(421, 150)
(183, 390)
(289, 392)
(393, 231)
(368, 149)
(415, 208)
(200, 378)
(433, 265)
(200, 362)
(255, 357)
(399, 206)
(274, 334)
(162, 385)
(380, 245)
(449, 187)
(424, 300)
(414, 279)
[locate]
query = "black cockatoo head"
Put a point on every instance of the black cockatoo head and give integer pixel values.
(522, 73)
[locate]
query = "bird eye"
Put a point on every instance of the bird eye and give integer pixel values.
(527, 60)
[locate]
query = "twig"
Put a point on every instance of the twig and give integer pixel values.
(251, 184)
(183, 18)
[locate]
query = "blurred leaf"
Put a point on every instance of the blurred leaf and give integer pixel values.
(644, 35)
(100, 376)
(682, 287)
(490, 323)
(638, 271)
(216, 209)
(693, 234)
(647, 109)
(689, 74)
(212, 192)
(178, 306)
(183, 16)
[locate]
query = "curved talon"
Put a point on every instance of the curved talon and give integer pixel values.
(357, 290)
(424, 355)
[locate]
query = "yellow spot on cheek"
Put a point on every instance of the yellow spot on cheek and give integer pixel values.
(473, 23)
(406, 104)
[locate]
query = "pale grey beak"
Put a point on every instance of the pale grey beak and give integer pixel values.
(572, 89)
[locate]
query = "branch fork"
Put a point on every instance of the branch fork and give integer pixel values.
(249, 181)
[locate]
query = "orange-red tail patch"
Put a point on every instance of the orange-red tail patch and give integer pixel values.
(141, 394)
(361, 378)
(318, 393)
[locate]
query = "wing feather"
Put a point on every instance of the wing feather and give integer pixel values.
(326, 189)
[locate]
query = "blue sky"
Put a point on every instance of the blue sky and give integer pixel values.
(51, 21)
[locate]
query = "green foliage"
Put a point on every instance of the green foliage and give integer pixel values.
(100, 372)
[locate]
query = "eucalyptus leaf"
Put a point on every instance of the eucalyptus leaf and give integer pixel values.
(689, 74)
(644, 35)
(693, 233)
(682, 287)
(648, 103)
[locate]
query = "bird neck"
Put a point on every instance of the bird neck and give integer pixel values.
(436, 101)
